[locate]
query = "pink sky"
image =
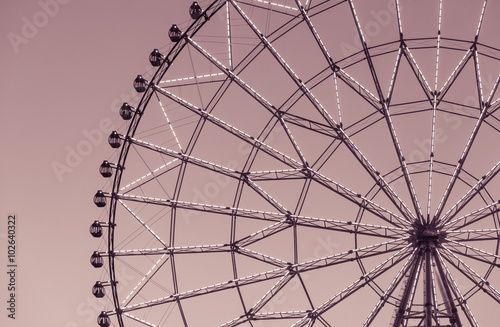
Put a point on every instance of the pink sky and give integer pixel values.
(68, 65)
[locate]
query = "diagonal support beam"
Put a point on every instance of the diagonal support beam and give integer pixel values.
(361, 253)
(302, 173)
(446, 219)
(355, 286)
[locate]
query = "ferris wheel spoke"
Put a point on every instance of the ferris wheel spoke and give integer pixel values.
(277, 175)
(479, 81)
(174, 250)
(485, 212)
(351, 82)
(338, 225)
(188, 159)
(291, 187)
(355, 286)
(376, 176)
(153, 174)
(261, 100)
(179, 297)
(479, 282)
(397, 145)
(463, 157)
(360, 200)
(438, 46)
(351, 227)
(276, 6)
(284, 219)
(141, 321)
(491, 120)
(348, 194)
(254, 142)
(398, 17)
(343, 191)
(473, 252)
(261, 316)
(493, 104)
(345, 138)
(434, 111)
(480, 22)
(469, 195)
(385, 110)
(281, 218)
(300, 84)
(364, 252)
(473, 235)
(325, 224)
(394, 76)
(366, 51)
(192, 80)
(400, 275)
(234, 77)
(402, 163)
(203, 207)
(215, 168)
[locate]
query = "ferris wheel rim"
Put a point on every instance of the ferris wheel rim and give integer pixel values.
(160, 72)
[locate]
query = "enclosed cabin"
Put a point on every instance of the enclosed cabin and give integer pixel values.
(105, 169)
(126, 111)
(174, 33)
(114, 140)
(103, 320)
(195, 10)
(155, 58)
(96, 229)
(140, 84)
(96, 260)
(100, 199)
(98, 290)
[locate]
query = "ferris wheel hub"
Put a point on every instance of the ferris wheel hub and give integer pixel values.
(427, 234)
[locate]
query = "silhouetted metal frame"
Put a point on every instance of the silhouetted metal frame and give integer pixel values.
(285, 218)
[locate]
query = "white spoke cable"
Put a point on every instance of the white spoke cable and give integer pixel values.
(142, 281)
(170, 125)
(149, 175)
(493, 90)
(190, 78)
(142, 223)
(479, 24)
(434, 109)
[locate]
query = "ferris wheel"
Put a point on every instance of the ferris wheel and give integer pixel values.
(308, 163)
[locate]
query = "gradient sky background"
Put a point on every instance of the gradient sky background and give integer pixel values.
(63, 81)
(61, 87)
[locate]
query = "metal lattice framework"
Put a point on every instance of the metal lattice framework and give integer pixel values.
(276, 171)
